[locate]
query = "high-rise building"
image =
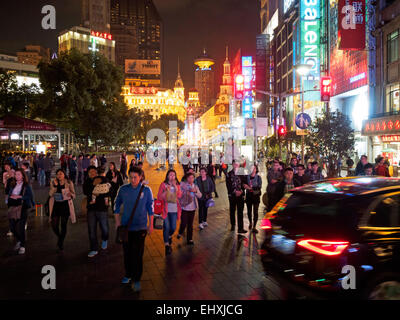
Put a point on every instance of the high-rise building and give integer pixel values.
(137, 27)
(96, 15)
(33, 55)
(204, 79)
(87, 41)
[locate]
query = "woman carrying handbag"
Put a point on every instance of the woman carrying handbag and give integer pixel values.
(169, 193)
(20, 199)
(61, 206)
(188, 201)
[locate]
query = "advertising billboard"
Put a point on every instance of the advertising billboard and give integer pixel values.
(348, 68)
(351, 24)
(310, 27)
(142, 66)
(247, 71)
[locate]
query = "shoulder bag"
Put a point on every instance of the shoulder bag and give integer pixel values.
(122, 231)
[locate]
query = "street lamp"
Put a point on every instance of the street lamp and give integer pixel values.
(256, 105)
(302, 70)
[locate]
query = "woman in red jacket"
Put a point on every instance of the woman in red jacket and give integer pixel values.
(381, 169)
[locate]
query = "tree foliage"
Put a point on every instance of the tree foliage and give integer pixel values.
(82, 92)
(331, 137)
(14, 99)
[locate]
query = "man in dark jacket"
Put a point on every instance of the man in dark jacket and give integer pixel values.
(301, 178)
(48, 164)
(85, 166)
(274, 176)
(97, 212)
(235, 186)
(287, 184)
(360, 168)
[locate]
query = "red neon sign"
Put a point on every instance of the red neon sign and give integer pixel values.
(143, 90)
(103, 35)
(381, 126)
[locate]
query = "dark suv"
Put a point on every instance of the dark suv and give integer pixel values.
(338, 238)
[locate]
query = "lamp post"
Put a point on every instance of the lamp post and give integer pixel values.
(302, 70)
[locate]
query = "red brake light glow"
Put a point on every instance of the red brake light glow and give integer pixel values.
(265, 224)
(328, 248)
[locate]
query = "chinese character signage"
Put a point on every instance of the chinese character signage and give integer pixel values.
(247, 70)
(310, 14)
(351, 20)
(103, 35)
(381, 126)
(143, 90)
(390, 138)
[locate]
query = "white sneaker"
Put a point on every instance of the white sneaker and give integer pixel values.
(201, 226)
(21, 250)
(9, 234)
(205, 224)
(17, 246)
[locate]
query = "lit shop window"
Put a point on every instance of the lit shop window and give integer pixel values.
(393, 98)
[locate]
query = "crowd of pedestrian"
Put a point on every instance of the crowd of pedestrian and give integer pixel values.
(177, 201)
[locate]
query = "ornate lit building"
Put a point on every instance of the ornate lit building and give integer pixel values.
(157, 101)
(204, 79)
(215, 121)
(192, 126)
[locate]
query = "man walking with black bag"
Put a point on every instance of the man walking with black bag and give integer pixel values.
(137, 201)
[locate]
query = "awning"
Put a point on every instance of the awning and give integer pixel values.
(12, 122)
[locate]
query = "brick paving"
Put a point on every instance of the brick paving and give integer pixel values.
(221, 264)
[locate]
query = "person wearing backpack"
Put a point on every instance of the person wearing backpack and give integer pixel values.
(188, 201)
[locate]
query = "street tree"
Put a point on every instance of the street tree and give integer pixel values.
(332, 138)
(14, 99)
(82, 92)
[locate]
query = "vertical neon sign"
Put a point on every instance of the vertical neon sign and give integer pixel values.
(247, 71)
(310, 25)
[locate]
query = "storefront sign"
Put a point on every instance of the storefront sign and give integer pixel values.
(379, 126)
(143, 90)
(103, 35)
(391, 138)
(310, 35)
(351, 24)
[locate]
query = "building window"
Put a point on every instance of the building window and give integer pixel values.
(393, 46)
(392, 98)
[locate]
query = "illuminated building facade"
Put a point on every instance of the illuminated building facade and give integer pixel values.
(192, 126)
(204, 79)
(215, 121)
(87, 41)
(26, 74)
(137, 28)
(157, 101)
(96, 15)
(33, 55)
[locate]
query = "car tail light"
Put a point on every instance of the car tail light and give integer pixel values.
(265, 224)
(328, 248)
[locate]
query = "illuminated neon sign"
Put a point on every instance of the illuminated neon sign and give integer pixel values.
(310, 26)
(103, 35)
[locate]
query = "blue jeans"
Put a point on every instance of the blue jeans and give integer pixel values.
(169, 225)
(41, 178)
(92, 218)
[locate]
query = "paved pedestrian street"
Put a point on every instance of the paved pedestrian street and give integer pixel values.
(221, 264)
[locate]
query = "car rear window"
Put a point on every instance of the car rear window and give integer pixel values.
(316, 213)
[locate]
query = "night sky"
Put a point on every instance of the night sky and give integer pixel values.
(189, 25)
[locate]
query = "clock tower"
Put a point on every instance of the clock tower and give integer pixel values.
(226, 88)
